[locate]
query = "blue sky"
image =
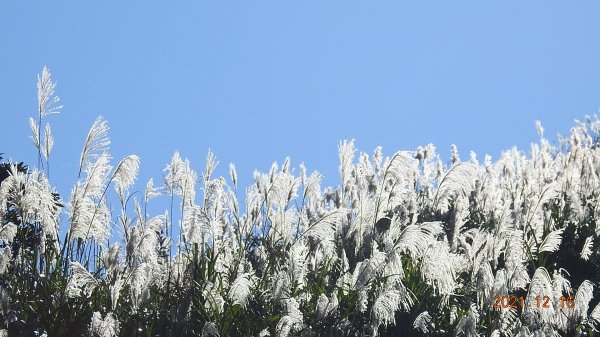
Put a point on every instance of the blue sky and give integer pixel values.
(257, 81)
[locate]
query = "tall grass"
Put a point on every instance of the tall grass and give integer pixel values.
(405, 245)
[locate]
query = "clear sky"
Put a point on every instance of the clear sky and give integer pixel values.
(257, 81)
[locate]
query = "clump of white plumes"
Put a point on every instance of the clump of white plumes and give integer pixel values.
(104, 327)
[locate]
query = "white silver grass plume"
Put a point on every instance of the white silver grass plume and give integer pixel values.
(90, 219)
(292, 320)
(312, 185)
(111, 260)
(458, 180)
(326, 306)
(368, 269)
(81, 281)
(180, 179)
(195, 224)
(386, 305)
(454, 156)
(47, 100)
(214, 301)
(143, 241)
(509, 320)
(500, 286)
(47, 104)
(423, 322)
(541, 285)
(323, 230)
(346, 152)
(595, 315)
(562, 288)
(484, 284)
(151, 192)
(515, 261)
(586, 252)
(5, 260)
(551, 241)
(96, 142)
(240, 290)
(115, 292)
(393, 270)
(97, 172)
(126, 172)
(583, 296)
(281, 284)
(211, 165)
(546, 194)
(48, 142)
(34, 197)
(104, 327)
(88, 213)
(415, 238)
(539, 128)
(439, 267)
(400, 167)
(35, 133)
(298, 264)
(560, 284)
(233, 174)
(141, 279)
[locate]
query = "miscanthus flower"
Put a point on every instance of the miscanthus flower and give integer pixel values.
(125, 173)
(104, 327)
(180, 179)
(35, 199)
(292, 319)
(81, 282)
(88, 212)
(423, 322)
(240, 289)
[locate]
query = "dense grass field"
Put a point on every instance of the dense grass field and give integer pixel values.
(406, 245)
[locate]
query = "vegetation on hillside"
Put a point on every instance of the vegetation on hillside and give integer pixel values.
(406, 245)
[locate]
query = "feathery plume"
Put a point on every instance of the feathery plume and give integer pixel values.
(96, 142)
(551, 241)
(46, 97)
(126, 172)
(104, 327)
(596, 313)
(48, 142)
(80, 280)
(586, 252)
(292, 320)
(458, 180)
(5, 260)
(151, 192)
(423, 322)
(584, 294)
(541, 285)
(35, 133)
(385, 307)
(233, 174)
(8, 231)
(346, 152)
(240, 290)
